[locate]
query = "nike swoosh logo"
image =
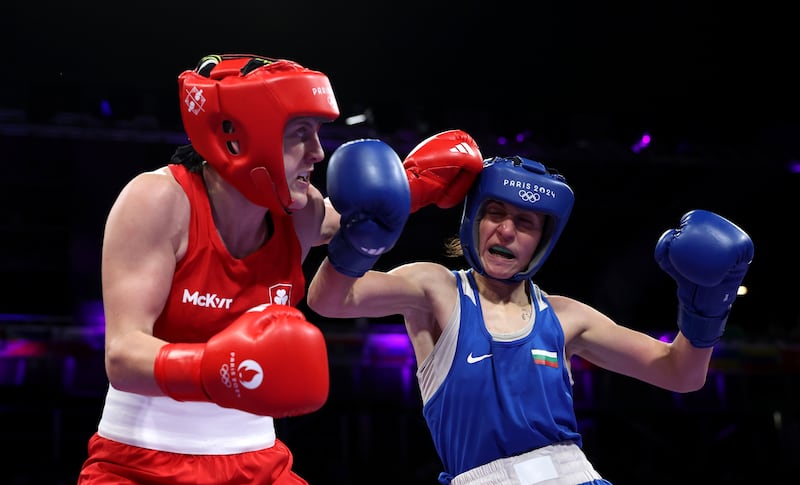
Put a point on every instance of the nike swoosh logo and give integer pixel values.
(472, 360)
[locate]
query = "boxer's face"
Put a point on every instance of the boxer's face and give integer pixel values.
(301, 151)
(508, 238)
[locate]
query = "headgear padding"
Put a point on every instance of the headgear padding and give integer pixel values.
(247, 100)
(525, 184)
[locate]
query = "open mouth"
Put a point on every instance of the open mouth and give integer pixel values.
(501, 251)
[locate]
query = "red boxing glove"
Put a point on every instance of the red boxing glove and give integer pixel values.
(441, 169)
(270, 362)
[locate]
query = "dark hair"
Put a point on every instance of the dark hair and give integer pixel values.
(186, 155)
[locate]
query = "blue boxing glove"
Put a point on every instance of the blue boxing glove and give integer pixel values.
(708, 256)
(367, 185)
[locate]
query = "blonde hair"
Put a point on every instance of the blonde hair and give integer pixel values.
(452, 247)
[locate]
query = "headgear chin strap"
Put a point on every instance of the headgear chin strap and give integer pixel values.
(234, 109)
(525, 184)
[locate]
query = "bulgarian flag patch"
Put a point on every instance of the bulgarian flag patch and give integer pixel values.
(545, 357)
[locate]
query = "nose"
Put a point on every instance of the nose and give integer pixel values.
(506, 227)
(314, 147)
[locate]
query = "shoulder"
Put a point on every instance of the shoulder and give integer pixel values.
(425, 274)
(435, 291)
(577, 317)
(434, 282)
(151, 200)
(570, 310)
(571, 313)
(153, 188)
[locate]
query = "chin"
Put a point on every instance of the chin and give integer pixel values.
(299, 201)
(501, 274)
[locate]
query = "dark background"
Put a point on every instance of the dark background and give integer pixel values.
(579, 82)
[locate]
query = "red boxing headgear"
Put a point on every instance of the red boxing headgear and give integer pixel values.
(234, 109)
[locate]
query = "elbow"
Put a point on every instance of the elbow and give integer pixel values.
(690, 384)
(316, 301)
(328, 296)
(319, 306)
(115, 364)
(314, 298)
(696, 384)
(313, 303)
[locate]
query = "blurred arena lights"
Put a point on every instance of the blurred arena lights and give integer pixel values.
(519, 138)
(388, 346)
(365, 117)
(92, 315)
(105, 108)
(642, 143)
(355, 119)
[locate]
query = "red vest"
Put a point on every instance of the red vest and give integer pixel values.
(211, 288)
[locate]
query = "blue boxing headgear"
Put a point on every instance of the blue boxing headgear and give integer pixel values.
(525, 184)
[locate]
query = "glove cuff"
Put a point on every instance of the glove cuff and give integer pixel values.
(177, 371)
(348, 260)
(702, 332)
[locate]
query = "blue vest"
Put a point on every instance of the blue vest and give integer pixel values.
(500, 398)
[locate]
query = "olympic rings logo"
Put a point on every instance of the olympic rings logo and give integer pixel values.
(528, 196)
(225, 376)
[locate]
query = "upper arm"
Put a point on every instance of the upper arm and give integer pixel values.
(145, 231)
(590, 334)
(598, 339)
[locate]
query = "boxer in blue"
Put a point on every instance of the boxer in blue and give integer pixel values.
(493, 349)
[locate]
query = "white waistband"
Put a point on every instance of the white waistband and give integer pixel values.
(557, 464)
(197, 428)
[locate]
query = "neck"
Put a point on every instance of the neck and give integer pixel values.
(500, 291)
(506, 307)
(240, 223)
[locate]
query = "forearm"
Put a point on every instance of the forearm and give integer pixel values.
(690, 365)
(375, 294)
(329, 292)
(129, 362)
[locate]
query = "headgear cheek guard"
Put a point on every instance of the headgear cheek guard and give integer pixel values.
(234, 110)
(525, 184)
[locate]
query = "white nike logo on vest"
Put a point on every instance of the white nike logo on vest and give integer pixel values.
(472, 360)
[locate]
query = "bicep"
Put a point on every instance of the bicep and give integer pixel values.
(143, 234)
(597, 338)
(136, 276)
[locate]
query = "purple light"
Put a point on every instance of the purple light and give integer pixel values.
(391, 349)
(794, 166)
(501, 140)
(105, 108)
(23, 348)
(643, 143)
(387, 348)
(92, 315)
(667, 337)
(93, 320)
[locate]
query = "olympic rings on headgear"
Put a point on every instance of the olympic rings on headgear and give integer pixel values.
(528, 196)
(526, 184)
